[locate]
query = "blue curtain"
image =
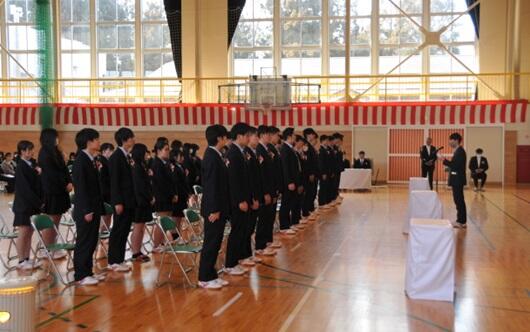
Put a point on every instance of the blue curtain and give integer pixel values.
(475, 15)
(235, 8)
(174, 20)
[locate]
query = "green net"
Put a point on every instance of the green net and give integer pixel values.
(45, 59)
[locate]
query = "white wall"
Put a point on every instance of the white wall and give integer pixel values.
(374, 141)
(491, 140)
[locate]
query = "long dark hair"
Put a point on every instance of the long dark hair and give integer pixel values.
(48, 142)
(138, 154)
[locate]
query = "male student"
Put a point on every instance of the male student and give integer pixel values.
(362, 162)
(122, 198)
(311, 181)
(338, 163)
(215, 205)
(267, 209)
(457, 178)
(88, 206)
(240, 198)
(478, 165)
(428, 159)
(325, 168)
(291, 181)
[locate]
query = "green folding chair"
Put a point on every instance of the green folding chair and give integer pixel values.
(165, 225)
(104, 234)
(7, 234)
(69, 223)
(195, 224)
(198, 192)
(42, 222)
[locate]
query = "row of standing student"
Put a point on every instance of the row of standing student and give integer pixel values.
(243, 179)
(127, 178)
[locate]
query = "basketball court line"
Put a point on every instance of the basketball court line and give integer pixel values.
(507, 214)
(227, 305)
(481, 233)
(59, 315)
(287, 271)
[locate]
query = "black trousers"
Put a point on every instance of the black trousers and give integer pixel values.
(323, 192)
(86, 243)
(479, 176)
(296, 212)
(308, 204)
(458, 197)
(427, 172)
(236, 240)
(249, 230)
(213, 239)
(121, 226)
(288, 200)
(265, 225)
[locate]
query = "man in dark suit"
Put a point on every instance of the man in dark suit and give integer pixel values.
(240, 198)
(338, 164)
(291, 179)
(457, 178)
(311, 181)
(478, 165)
(428, 160)
(215, 205)
(275, 140)
(325, 168)
(122, 198)
(88, 206)
(362, 162)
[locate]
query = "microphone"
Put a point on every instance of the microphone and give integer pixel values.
(439, 149)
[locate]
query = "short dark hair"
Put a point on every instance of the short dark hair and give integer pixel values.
(338, 136)
(160, 144)
(262, 130)
(361, 152)
(252, 130)
(24, 146)
(287, 132)
(106, 146)
(122, 135)
(479, 150)
(84, 136)
(163, 139)
(8, 154)
(274, 130)
(238, 129)
(176, 145)
(298, 138)
(456, 137)
(324, 138)
(214, 132)
(310, 131)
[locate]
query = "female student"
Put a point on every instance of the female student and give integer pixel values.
(144, 200)
(56, 183)
(27, 202)
(163, 189)
(106, 151)
(181, 187)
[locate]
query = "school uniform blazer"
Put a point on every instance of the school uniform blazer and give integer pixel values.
(267, 172)
(457, 167)
(55, 175)
(473, 164)
(254, 173)
(88, 197)
(104, 178)
(277, 167)
(180, 182)
(366, 164)
(143, 192)
(162, 181)
(292, 172)
(215, 186)
(121, 180)
(238, 177)
(324, 161)
(311, 161)
(427, 156)
(27, 190)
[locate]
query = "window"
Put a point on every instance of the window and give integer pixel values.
(21, 37)
(115, 38)
(75, 38)
(253, 40)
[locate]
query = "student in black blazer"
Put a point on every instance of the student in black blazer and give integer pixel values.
(181, 187)
(267, 209)
(362, 162)
(163, 189)
(428, 160)
(240, 198)
(28, 202)
(478, 165)
(296, 214)
(325, 168)
(144, 200)
(457, 178)
(338, 163)
(122, 198)
(215, 205)
(291, 180)
(56, 183)
(311, 180)
(276, 141)
(88, 206)
(256, 191)
(102, 160)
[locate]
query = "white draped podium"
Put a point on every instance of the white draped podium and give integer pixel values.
(418, 184)
(430, 273)
(355, 178)
(423, 204)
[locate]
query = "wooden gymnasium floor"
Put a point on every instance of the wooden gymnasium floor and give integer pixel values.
(343, 273)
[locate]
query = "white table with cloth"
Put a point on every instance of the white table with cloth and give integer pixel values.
(423, 204)
(418, 184)
(430, 272)
(356, 178)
